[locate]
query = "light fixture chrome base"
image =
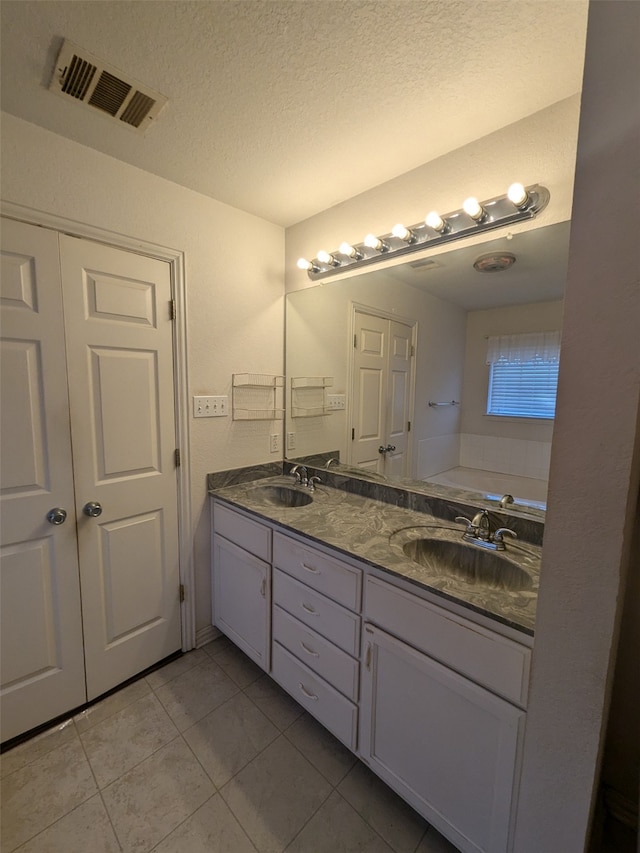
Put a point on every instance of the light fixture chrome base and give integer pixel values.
(499, 211)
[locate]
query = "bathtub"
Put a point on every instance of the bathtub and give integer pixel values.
(526, 491)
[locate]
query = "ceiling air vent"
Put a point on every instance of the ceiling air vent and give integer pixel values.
(82, 76)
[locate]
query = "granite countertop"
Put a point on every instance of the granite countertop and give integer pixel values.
(376, 532)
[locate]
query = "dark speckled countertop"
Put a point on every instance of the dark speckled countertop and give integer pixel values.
(375, 532)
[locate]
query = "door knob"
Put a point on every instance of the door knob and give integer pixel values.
(93, 509)
(388, 449)
(56, 515)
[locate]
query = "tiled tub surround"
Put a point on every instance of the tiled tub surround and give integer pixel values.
(424, 675)
(368, 529)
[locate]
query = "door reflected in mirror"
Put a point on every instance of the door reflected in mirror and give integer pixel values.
(387, 343)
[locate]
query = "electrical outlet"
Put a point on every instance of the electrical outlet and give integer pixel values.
(274, 442)
(336, 402)
(291, 441)
(210, 407)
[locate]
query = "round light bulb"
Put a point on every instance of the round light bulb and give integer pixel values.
(435, 221)
(373, 242)
(350, 251)
(518, 195)
(401, 232)
(473, 208)
(304, 264)
(325, 257)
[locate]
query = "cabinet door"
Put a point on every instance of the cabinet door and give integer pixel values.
(447, 746)
(242, 599)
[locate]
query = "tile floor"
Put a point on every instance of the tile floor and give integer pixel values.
(206, 755)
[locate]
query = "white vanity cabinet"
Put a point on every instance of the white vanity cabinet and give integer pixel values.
(241, 588)
(444, 742)
(316, 633)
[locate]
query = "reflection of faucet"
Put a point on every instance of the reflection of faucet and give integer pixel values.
(505, 500)
(479, 532)
(331, 461)
(300, 474)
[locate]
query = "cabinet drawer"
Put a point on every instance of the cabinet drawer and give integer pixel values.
(322, 701)
(318, 612)
(330, 576)
(488, 659)
(334, 665)
(250, 535)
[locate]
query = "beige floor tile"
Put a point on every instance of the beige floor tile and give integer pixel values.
(192, 695)
(212, 829)
(400, 826)
(220, 644)
(272, 700)
(86, 829)
(238, 666)
(175, 668)
(127, 738)
(230, 737)
(38, 795)
(111, 705)
(323, 750)
(275, 795)
(338, 828)
(34, 748)
(154, 798)
(433, 842)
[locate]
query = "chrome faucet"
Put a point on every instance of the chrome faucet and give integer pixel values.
(505, 500)
(331, 462)
(311, 483)
(479, 532)
(301, 475)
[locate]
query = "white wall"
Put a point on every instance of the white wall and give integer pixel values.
(234, 274)
(319, 343)
(595, 461)
(538, 149)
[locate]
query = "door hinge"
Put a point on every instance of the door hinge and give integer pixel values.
(413, 350)
(353, 434)
(355, 341)
(182, 593)
(173, 313)
(368, 657)
(408, 426)
(176, 456)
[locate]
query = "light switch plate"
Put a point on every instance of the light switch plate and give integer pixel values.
(336, 402)
(210, 407)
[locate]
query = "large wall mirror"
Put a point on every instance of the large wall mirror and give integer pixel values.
(387, 370)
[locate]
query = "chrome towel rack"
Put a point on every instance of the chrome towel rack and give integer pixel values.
(433, 405)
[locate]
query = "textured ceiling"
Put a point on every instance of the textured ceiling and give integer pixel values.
(286, 108)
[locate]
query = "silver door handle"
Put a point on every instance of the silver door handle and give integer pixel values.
(93, 509)
(57, 515)
(388, 449)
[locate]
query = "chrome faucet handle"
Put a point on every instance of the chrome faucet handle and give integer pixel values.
(311, 483)
(501, 531)
(482, 524)
(331, 462)
(505, 500)
(471, 527)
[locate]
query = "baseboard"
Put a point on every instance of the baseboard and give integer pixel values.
(205, 635)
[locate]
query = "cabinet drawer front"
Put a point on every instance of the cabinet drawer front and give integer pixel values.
(330, 576)
(250, 535)
(486, 658)
(318, 612)
(316, 696)
(334, 665)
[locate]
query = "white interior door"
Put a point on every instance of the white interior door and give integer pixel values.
(120, 367)
(381, 394)
(42, 663)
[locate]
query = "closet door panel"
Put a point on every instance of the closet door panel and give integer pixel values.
(119, 339)
(42, 663)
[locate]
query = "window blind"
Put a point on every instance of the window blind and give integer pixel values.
(523, 376)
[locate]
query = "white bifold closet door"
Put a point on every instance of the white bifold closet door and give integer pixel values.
(89, 543)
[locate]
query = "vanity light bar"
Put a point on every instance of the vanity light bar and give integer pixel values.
(518, 204)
